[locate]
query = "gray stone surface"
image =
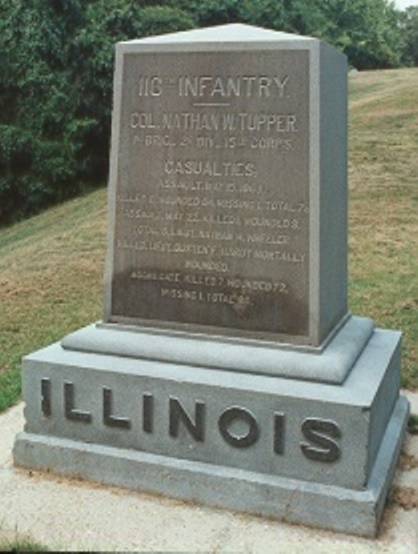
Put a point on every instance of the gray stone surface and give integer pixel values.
(280, 432)
(68, 514)
(228, 189)
(330, 506)
(328, 365)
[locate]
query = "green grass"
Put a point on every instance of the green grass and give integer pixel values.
(51, 274)
(413, 424)
(20, 544)
(51, 266)
(383, 178)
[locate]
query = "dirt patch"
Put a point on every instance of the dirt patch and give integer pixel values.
(405, 497)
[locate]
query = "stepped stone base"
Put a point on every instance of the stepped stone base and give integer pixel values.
(315, 453)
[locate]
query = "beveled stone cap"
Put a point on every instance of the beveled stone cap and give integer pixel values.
(328, 365)
(233, 32)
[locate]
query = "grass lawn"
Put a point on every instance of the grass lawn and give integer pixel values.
(383, 180)
(51, 275)
(51, 266)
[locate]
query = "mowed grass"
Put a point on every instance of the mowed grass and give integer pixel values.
(51, 266)
(383, 183)
(51, 281)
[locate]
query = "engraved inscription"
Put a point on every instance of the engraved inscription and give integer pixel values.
(108, 418)
(238, 427)
(148, 413)
(279, 433)
(214, 86)
(212, 199)
(72, 413)
(242, 439)
(179, 416)
(46, 397)
(322, 436)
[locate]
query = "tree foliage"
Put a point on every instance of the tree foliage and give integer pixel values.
(365, 30)
(56, 65)
(409, 27)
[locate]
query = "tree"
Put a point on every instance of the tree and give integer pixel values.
(34, 156)
(365, 30)
(409, 31)
(297, 16)
(56, 65)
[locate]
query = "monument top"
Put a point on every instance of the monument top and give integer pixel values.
(228, 185)
(233, 32)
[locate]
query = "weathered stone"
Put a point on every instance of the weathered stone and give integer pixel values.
(259, 444)
(228, 185)
(328, 365)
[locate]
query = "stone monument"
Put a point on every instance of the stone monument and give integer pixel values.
(227, 369)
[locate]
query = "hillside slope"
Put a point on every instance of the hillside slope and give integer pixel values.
(51, 266)
(383, 181)
(51, 275)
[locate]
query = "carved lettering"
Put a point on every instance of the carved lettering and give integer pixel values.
(224, 192)
(148, 413)
(177, 415)
(220, 86)
(238, 439)
(218, 267)
(279, 433)
(46, 397)
(321, 435)
(187, 121)
(210, 168)
(149, 86)
(108, 418)
(70, 411)
(236, 425)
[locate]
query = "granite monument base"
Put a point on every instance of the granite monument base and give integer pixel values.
(321, 454)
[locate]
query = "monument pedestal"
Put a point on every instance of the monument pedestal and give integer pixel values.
(300, 450)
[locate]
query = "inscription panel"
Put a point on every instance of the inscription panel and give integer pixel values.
(212, 192)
